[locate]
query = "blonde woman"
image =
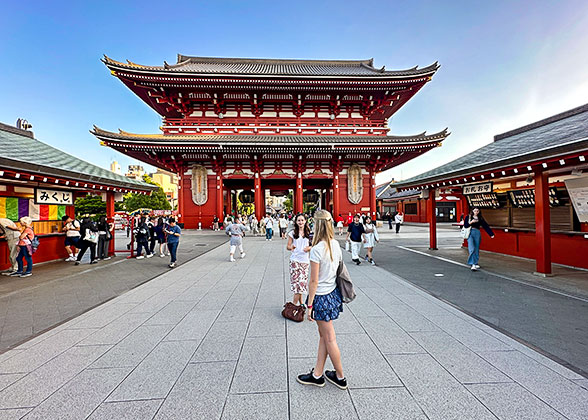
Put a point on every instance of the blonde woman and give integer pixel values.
(325, 302)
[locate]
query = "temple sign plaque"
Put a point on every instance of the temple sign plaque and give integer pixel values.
(199, 185)
(354, 184)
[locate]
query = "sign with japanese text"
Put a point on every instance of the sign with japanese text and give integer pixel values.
(486, 187)
(578, 191)
(45, 196)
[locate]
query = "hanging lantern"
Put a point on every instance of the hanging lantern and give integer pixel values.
(310, 196)
(246, 197)
(279, 193)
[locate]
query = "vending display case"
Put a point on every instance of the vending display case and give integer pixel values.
(526, 198)
(483, 201)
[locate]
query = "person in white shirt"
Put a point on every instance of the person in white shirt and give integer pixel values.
(398, 219)
(12, 234)
(371, 237)
(325, 301)
(298, 243)
(269, 227)
(283, 223)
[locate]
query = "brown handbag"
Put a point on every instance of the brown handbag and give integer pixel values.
(293, 312)
(344, 283)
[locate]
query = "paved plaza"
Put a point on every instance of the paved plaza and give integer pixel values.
(206, 340)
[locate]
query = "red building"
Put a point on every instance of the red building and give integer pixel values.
(42, 182)
(531, 186)
(237, 127)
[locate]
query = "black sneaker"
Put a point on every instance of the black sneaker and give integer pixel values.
(358, 262)
(309, 379)
(331, 376)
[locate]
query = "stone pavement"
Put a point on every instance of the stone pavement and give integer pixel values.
(206, 341)
(550, 314)
(59, 291)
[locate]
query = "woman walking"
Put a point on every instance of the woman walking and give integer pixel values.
(371, 237)
(24, 248)
(325, 301)
(88, 239)
(298, 243)
(475, 221)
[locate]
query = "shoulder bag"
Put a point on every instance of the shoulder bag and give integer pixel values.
(465, 232)
(344, 283)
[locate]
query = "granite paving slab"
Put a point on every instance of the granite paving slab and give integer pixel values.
(207, 340)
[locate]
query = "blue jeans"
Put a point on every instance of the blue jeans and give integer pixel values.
(269, 232)
(24, 253)
(173, 248)
(474, 246)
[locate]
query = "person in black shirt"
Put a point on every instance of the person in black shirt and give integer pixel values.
(88, 239)
(475, 221)
(142, 238)
(355, 233)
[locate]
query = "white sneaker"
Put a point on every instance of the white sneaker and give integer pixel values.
(140, 257)
(373, 262)
(107, 258)
(231, 259)
(162, 255)
(243, 255)
(172, 265)
(70, 258)
(150, 256)
(477, 266)
(474, 268)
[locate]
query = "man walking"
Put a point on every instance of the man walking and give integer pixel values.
(11, 232)
(173, 232)
(356, 233)
(269, 225)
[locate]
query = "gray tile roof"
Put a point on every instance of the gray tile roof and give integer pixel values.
(393, 193)
(560, 134)
(20, 151)
(275, 67)
(422, 138)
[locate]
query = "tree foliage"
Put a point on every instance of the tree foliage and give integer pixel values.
(156, 201)
(90, 204)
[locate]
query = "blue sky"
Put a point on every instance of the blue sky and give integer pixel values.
(503, 63)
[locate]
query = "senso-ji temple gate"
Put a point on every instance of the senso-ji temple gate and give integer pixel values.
(315, 127)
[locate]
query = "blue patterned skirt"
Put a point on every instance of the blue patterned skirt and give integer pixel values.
(327, 307)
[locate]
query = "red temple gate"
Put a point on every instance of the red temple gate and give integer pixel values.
(279, 125)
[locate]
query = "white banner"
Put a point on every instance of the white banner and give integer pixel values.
(45, 196)
(486, 187)
(578, 191)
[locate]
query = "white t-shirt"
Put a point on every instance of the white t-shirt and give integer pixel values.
(283, 222)
(74, 224)
(269, 224)
(298, 253)
(10, 234)
(328, 269)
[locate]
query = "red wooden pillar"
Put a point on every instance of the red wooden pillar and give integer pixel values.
(259, 198)
(328, 200)
(219, 196)
(110, 218)
(298, 201)
(181, 196)
(336, 204)
(432, 217)
(542, 222)
(372, 194)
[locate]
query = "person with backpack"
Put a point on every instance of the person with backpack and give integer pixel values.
(89, 239)
(71, 227)
(26, 238)
(142, 238)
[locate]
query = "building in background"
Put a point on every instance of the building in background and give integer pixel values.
(168, 181)
(115, 167)
(135, 172)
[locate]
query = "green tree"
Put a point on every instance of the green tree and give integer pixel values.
(156, 201)
(90, 204)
